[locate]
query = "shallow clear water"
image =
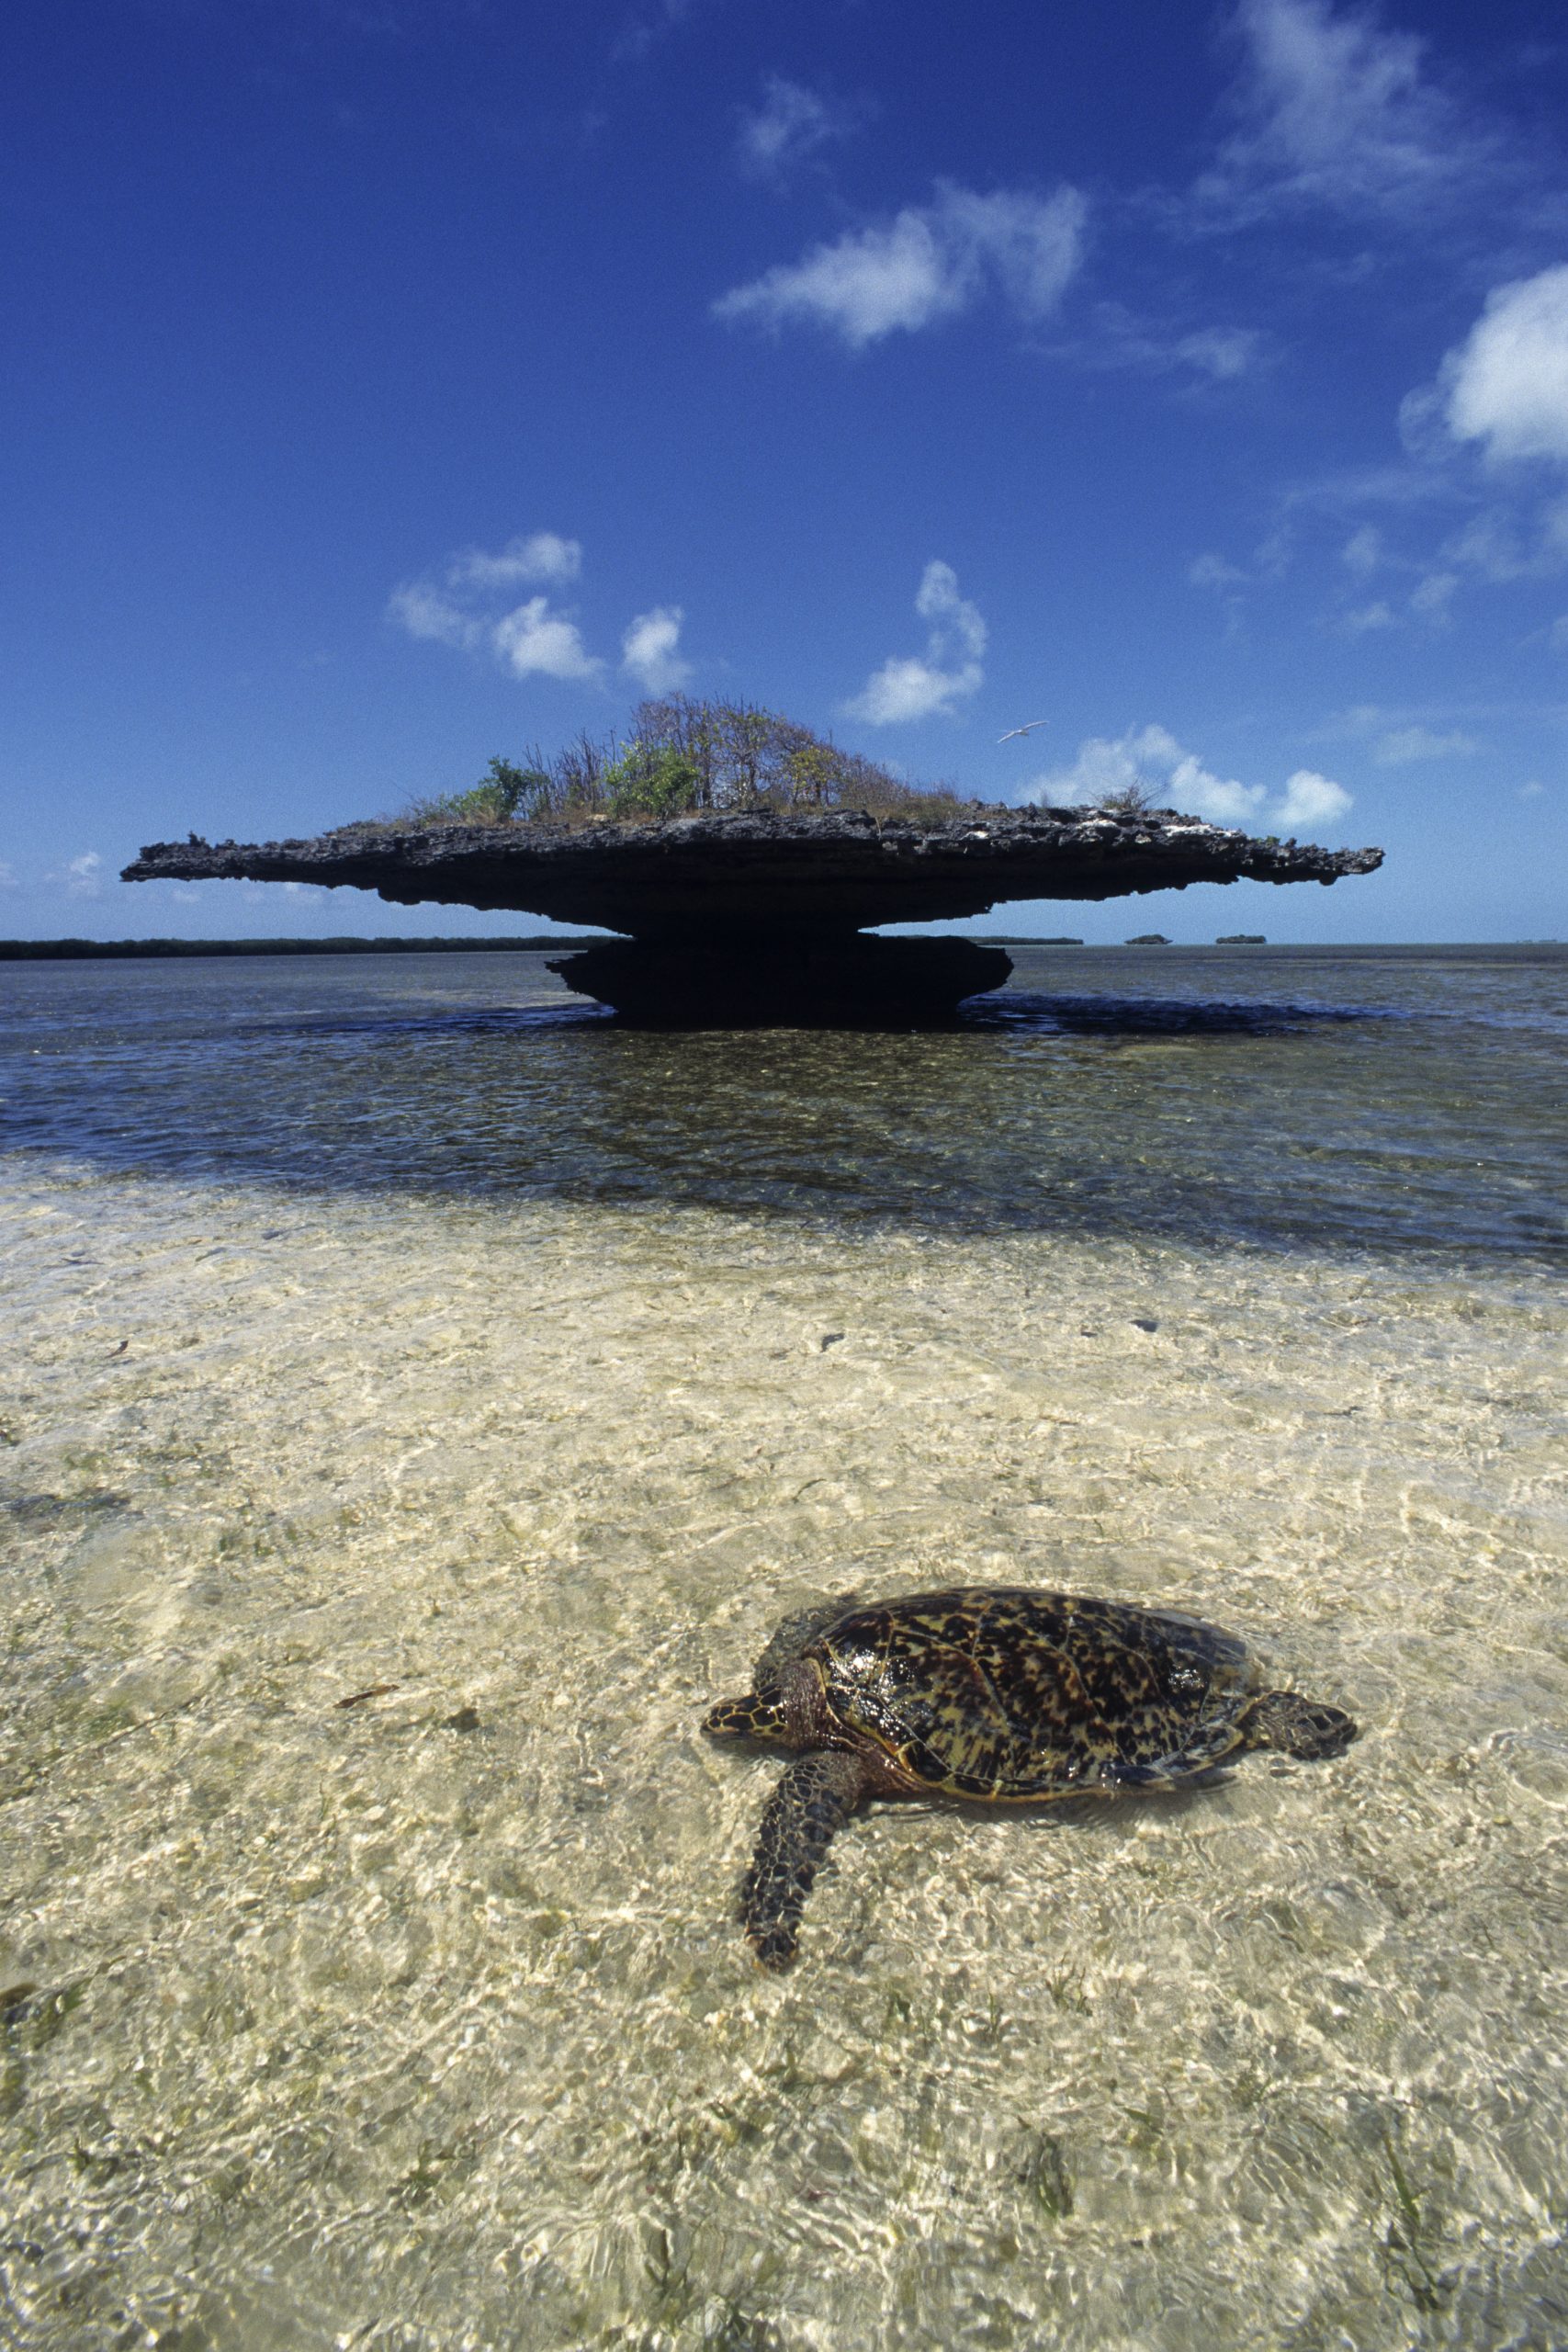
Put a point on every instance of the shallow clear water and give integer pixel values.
(1280, 1095)
(383, 1326)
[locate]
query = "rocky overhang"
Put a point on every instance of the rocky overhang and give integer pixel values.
(749, 870)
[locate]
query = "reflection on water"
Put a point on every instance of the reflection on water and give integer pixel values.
(422, 2020)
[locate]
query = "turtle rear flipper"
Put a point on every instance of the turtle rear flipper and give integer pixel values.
(810, 1804)
(1298, 1726)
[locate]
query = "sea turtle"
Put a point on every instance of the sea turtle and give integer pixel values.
(991, 1694)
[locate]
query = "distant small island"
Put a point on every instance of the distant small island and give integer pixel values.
(1241, 939)
(746, 858)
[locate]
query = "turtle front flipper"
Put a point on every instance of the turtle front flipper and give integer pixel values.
(1298, 1726)
(810, 1804)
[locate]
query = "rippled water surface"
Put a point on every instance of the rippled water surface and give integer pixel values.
(394, 1333)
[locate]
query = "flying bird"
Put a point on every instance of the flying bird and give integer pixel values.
(1020, 730)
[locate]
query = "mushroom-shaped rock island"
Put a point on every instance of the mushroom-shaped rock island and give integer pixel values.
(743, 915)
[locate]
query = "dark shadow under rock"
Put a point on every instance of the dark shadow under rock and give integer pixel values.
(834, 979)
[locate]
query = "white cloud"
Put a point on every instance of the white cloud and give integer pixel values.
(1523, 537)
(1532, 791)
(521, 562)
(911, 688)
(1503, 392)
(1032, 244)
(1311, 799)
(443, 613)
(789, 126)
(864, 287)
(1150, 759)
(1336, 112)
(1146, 758)
(462, 604)
(533, 639)
(926, 264)
(1506, 386)
(1402, 745)
(648, 650)
(7, 874)
(425, 612)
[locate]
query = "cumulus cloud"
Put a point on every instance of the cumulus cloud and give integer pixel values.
(648, 650)
(444, 608)
(535, 640)
(1506, 385)
(1402, 745)
(1149, 759)
(462, 603)
(1311, 799)
(1145, 759)
(788, 128)
(1503, 394)
(926, 264)
(952, 668)
(1334, 111)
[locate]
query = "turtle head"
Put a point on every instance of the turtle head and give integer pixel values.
(759, 1715)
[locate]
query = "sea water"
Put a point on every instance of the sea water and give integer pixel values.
(423, 1397)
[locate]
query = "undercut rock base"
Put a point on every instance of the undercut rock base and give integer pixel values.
(839, 981)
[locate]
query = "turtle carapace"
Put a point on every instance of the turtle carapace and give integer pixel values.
(990, 1694)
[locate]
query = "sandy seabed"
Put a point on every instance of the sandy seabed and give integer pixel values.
(423, 2021)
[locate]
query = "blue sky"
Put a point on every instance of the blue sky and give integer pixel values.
(393, 382)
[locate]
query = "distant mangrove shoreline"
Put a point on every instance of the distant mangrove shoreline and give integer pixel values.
(32, 951)
(58, 951)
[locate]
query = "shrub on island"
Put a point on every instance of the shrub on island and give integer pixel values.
(683, 757)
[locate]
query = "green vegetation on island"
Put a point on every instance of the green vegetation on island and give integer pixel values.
(682, 758)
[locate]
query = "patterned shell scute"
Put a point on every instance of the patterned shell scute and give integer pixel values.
(992, 1692)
